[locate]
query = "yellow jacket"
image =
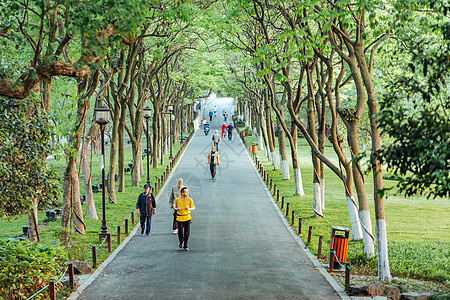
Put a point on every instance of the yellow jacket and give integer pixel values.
(216, 158)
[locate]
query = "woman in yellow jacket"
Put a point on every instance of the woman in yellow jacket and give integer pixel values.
(184, 205)
(213, 159)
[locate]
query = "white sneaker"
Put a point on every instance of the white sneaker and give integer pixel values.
(175, 231)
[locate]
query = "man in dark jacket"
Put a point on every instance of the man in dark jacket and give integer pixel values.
(146, 207)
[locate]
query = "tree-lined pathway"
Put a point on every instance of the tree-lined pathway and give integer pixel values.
(240, 247)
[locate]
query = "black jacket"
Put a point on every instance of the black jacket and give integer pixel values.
(146, 204)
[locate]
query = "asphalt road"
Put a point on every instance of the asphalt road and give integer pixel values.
(239, 246)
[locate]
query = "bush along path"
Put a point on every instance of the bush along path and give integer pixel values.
(336, 258)
(45, 287)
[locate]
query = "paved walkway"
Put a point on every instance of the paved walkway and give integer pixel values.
(240, 247)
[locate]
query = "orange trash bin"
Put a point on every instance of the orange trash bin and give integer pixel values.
(254, 148)
(243, 133)
(339, 244)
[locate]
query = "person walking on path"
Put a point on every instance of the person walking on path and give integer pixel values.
(213, 159)
(216, 139)
(184, 205)
(174, 194)
(210, 115)
(224, 130)
(146, 207)
(230, 131)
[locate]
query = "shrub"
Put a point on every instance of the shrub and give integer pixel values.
(25, 268)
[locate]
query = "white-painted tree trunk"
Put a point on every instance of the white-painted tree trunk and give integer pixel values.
(369, 245)
(254, 133)
(384, 273)
(285, 169)
(276, 165)
(322, 192)
(298, 182)
(357, 234)
(261, 142)
(317, 202)
(248, 117)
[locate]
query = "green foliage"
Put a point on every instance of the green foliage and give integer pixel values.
(414, 113)
(25, 268)
(24, 144)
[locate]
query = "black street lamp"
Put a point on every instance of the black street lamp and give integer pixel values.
(170, 109)
(102, 118)
(147, 115)
(181, 123)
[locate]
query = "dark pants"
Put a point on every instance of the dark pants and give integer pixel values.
(146, 220)
(212, 168)
(230, 135)
(210, 118)
(184, 229)
(175, 224)
(216, 145)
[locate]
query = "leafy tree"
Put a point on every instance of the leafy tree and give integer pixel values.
(415, 108)
(24, 141)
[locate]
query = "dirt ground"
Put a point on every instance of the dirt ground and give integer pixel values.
(405, 284)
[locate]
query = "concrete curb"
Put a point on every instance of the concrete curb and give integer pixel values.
(100, 268)
(313, 259)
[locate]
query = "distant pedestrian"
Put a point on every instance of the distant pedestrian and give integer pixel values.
(216, 139)
(146, 207)
(213, 159)
(225, 117)
(224, 130)
(184, 205)
(174, 194)
(210, 115)
(230, 131)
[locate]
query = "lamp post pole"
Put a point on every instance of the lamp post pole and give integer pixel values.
(147, 115)
(171, 135)
(104, 227)
(101, 118)
(162, 137)
(170, 109)
(181, 124)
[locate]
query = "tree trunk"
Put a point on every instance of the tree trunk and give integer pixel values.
(90, 204)
(298, 181)
(72, 205)
(317, 191)
(384, 273)
(121, 147)
(270, 137)
(111, 186)
(283, 153)
(33, 229)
